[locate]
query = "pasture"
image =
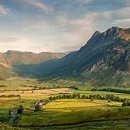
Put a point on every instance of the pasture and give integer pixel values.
(67, 112)
(75, 114)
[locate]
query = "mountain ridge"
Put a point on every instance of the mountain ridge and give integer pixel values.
(103, 60)
(17, 57)
(103, 57)
(11, 57)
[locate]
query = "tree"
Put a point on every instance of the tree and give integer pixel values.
(109, 100)
(19, 97)
(91, 99)
(37, 107)
(124, 104)
(74, 87)
(20, 109)
(50, 98)
(78, 95)
(83, 97)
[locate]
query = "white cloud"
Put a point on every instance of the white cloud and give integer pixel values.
(39, 5)
(127, 2)
(61, 32)
(122, 23)
(3, 10)
(122, 13)
(7, 39)
(19, 43)
(107, 19)
(79, 2)
(76, 32)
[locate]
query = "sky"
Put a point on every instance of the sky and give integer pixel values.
(57, 25)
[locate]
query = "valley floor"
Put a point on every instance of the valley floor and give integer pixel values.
(63, 114)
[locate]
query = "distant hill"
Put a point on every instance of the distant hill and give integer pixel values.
(16, 57)
(11, 58)
(5, 69)
(104, 60)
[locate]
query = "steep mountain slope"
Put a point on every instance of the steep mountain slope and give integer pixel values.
(5, 69)
(5, 72)
(2, 59)
(106, 48)
(104, 60)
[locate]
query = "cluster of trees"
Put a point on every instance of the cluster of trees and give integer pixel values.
(126, 103)
(43, 87)
(3, 86)
(38, 105)
(15, 115)
(118, 90)
(108, 97)
(65, 96)
(12, 95)
(74, 87)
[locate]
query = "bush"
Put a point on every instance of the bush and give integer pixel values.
(126, 103)
(37, 108)
(108, 97)
(3, 86)
(20, 109)
(74, 87)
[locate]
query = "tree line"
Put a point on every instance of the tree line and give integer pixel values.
(12, 95)
(118, 90)
(108, 97)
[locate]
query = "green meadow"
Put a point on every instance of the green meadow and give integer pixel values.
(65, 113)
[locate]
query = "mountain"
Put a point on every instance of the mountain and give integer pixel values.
(11, 58)
(5, 69)
(104, 60)
(16, 57)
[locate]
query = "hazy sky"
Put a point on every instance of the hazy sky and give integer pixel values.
(57, 25)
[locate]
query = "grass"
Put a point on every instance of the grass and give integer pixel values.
(71, 111)
(62, 112)
(77, 103)
(18, 83)
(122, 95)
(7, 127)
(65, 111)
(105, 125)
(34, 94)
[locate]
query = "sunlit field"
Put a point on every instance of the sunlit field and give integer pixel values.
(60, 113)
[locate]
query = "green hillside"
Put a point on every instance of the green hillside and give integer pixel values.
(104, 60)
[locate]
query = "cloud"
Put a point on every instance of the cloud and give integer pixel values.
(126, 2)
(39, 5)
(20, 43)
(68, 26)
(76, 32)
(104, 20)
(3, 10)
(7, 39)
(60, 34)
(122, 13)
(78, 2)
(122, 22)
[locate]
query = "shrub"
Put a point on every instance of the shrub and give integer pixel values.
(37, 107)
(74, 87)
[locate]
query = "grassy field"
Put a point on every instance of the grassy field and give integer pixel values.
(67, 112)
(34, 94)
(18, 83)
(122, 95)
(75, 114)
